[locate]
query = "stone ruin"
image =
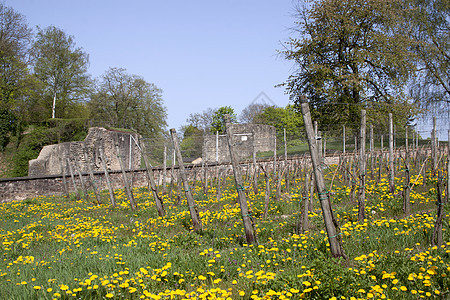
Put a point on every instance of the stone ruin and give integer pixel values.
(246, 139)
(52, 159)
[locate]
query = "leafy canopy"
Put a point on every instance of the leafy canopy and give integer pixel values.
(282, 118)
(218, 119)
(62, 68)
(351, 54)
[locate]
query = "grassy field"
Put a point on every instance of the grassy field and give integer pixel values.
(60, 248)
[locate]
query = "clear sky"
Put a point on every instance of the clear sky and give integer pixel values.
(201, 53)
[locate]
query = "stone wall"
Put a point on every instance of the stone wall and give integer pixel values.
(246, 137)
(20, 188)
(12, 189)
(52, 159)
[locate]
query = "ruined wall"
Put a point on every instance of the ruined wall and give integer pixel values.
(52, 159)
(246, 137)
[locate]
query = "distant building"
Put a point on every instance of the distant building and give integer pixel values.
(246, 139)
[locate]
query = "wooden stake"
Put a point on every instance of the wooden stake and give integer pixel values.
(436, 239)
(372, 159)
(255, 171)
(164, 188)
(219, 185)
(83, 186)
(343, 139)
(108, 179)
(434, 147)
(196, 221)
(63, 174)
(246, 215)
(447, 200)
(151, 182)
(275, 156)
(77, 192)
(285, 145)
(304, 206)
(267, 194)
(125, 179)
(391, 155)
(362, 169)
(91, 174)
(407, 189)
(333, 230)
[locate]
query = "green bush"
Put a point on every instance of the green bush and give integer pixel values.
(56, 131)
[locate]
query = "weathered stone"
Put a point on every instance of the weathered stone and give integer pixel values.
(47, 162)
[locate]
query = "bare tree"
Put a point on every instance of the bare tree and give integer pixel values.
(249, 113)
(203, 120)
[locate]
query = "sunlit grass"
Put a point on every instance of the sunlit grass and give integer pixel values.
(59, 248)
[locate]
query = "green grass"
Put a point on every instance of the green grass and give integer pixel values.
(56, 247)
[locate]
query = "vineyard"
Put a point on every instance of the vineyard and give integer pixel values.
(63, 248)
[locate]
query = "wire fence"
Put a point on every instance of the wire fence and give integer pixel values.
(345, 140)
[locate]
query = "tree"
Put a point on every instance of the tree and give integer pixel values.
(128, 101)
(15, 38)
(202, 121)
(430, 23)
(249, 113)
(218, 120)
(192, 142)
(352, 55)
(62, 68)
(282, 118)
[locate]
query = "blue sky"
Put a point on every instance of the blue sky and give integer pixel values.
(200, 53)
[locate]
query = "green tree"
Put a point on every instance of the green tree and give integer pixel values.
(15, 39)
(218, 119)
(282, 118)
(62, 67)
(192, 143)
(351, 54)
(128, 101)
